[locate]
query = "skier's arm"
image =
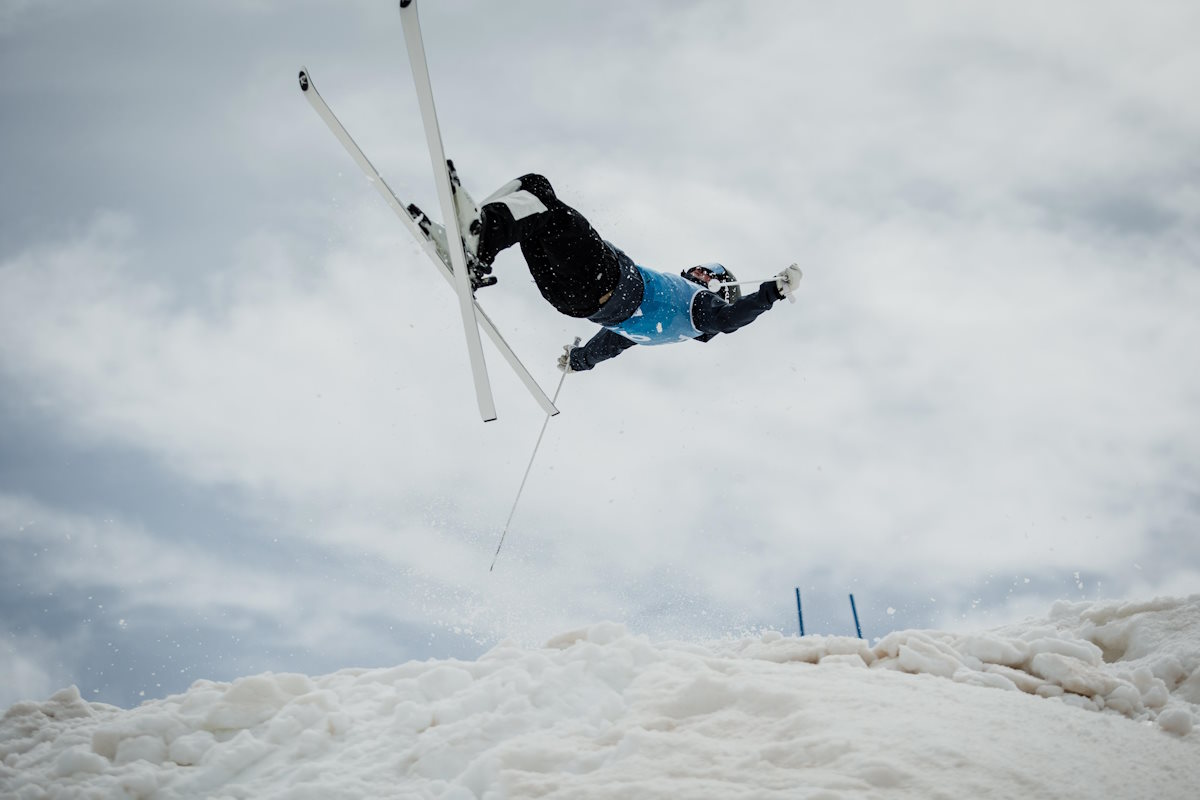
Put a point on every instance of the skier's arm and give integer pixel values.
(712, 315)
(601, 347)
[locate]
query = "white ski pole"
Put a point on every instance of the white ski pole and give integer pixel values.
(791, 296)
(529, 466)
(743, 283)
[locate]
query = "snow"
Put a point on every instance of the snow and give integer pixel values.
(1093, 700)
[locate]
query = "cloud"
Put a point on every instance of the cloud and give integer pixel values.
(26, 675)
(984, 379)
(124, 610)
(905, 437)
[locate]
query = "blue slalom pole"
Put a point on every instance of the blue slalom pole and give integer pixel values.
(799, 612)
(854, 611)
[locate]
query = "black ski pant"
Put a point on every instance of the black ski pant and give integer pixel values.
(569, 262)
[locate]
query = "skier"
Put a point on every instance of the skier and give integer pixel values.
(582, 275)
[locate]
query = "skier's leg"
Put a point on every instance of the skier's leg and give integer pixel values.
(574, 269)
(563, 239)
(572, 266)
(528, 211)
(507, 214)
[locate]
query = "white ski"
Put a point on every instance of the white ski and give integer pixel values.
(441, 176)
(412, 223)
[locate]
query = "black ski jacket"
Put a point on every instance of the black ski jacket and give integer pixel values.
(710, 314)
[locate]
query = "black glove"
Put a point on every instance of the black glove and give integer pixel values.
(481, 274)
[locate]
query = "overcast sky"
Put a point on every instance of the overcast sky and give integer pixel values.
(237, 429)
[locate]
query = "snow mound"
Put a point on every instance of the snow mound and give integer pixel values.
(1100, 700)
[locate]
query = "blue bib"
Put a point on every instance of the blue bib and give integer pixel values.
(665, 315)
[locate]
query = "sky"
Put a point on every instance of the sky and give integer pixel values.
(237, 429)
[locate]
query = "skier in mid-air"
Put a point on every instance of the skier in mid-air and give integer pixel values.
(582, 275)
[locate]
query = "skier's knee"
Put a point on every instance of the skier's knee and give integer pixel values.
(538, 186)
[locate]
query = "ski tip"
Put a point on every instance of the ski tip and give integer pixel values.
(405, 3)
(304, 81)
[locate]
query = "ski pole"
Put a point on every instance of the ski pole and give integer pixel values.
(744, 283)
(791, 296)
(530, 465)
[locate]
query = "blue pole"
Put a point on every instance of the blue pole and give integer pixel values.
(854, 611)
(799, 612)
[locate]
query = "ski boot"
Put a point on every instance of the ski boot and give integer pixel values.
(470, 222)
(470, 225)
(479, 272)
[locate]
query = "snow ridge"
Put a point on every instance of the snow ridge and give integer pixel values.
(599, 713)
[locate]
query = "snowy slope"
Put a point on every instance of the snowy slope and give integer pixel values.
(1096, 700)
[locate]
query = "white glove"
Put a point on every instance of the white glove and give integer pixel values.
(564, 361)
(788, 281)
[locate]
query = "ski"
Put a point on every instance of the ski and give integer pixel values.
(445, 189)
(419, 225)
